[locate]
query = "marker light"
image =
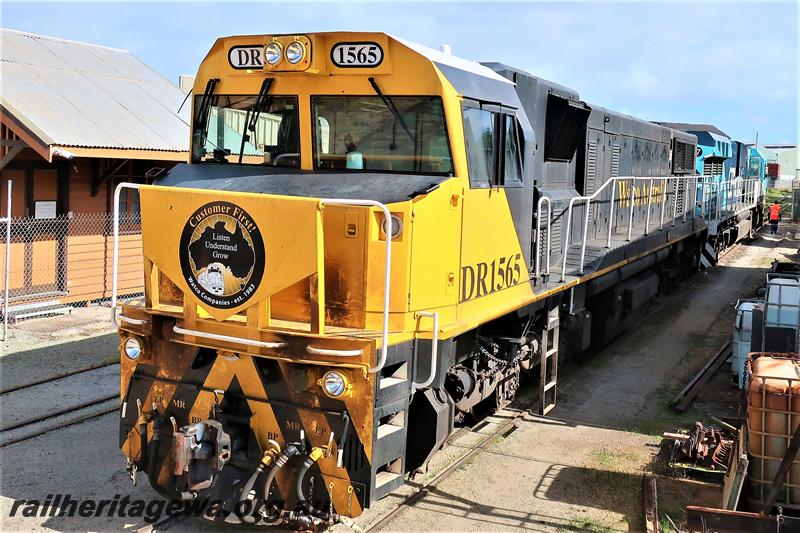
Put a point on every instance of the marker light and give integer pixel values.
(273, 53)
(334, 384)
(295, 52)
(133, 348)
(397, 226)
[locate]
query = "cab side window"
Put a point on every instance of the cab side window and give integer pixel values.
(512, 161)
(493, 147)
(480, 137)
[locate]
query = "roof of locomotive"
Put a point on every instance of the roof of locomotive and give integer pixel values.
(469, 78)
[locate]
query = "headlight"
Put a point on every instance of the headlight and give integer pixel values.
(273, 53)
(334, 384)
(295, 52)
(133, 348)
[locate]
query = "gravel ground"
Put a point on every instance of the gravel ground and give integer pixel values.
(573, 472)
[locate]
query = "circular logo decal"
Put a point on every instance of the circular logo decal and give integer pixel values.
(222, 254)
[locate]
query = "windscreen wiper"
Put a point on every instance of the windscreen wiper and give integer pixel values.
(201, 119)
(251, 118)
(395, 113)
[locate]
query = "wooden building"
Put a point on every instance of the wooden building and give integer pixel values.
(76, 119)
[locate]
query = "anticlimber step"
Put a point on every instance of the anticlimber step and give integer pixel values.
(383, 478)
(389, 382)
(384, 430)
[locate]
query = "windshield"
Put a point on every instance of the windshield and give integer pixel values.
(273, 140)
(396, 134)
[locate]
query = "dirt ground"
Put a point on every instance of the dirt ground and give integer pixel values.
(579, 470)
(38, 348)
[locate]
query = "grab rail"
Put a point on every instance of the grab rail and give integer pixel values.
(434, 350)
(228, 338)
(720, 194)
(542, 200)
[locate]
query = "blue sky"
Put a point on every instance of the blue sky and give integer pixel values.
(733, 65)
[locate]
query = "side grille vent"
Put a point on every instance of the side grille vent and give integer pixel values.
(615, 161)
(591, 168)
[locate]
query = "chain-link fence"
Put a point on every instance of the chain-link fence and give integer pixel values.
(67, 260)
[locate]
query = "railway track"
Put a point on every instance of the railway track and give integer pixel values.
(56, 402)
(504, 429)
(57, 377)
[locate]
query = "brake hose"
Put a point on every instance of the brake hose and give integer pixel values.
(289, 452)
(315, 455)
(266, 460)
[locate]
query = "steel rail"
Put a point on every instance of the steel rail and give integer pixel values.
(67, 423)
(58, 412)
(57, 377)
(539, 204)
(425, 488)
(227, 338)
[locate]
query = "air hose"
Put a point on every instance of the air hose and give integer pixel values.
(315, 455)
(289, 452)
(266, 460)
(142, 443)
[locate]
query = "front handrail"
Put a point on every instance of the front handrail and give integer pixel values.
(387, 270)
(7, 267)
(329, 201)
(115, 253)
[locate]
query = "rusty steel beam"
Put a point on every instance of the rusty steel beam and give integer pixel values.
(687, 395)
(705, 519)
(650, 497)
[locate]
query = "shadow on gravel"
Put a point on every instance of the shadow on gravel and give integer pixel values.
(24, 367)
(580, 487)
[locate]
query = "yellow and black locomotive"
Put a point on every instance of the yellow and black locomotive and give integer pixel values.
(373, 240)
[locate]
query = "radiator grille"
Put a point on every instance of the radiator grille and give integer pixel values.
(683, 157)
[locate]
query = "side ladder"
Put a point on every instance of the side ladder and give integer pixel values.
(548, 365)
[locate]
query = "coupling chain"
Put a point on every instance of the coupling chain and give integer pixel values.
(502, 364)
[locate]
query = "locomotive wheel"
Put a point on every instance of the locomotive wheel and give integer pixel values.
(506, 391)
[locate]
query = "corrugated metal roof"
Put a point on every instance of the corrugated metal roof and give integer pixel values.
(77, 94)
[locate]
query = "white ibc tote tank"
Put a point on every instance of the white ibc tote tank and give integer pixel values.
(742, 335)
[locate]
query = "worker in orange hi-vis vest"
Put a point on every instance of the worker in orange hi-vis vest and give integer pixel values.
(774, 217)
